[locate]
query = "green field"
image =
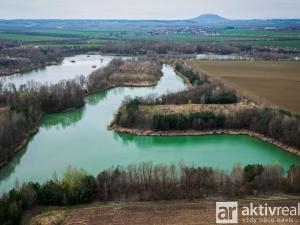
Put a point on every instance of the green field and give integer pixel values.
(26, 37)
(259, 33)
(240, 36)
(99, 37)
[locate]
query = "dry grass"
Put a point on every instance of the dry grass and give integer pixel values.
(49, 218)
(158, 213)
(136, 71)
(193, 108)
(275, 83)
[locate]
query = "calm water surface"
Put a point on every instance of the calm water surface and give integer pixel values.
(69, 68)
(80, 138)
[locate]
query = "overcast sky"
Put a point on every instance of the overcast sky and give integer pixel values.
(147, 9)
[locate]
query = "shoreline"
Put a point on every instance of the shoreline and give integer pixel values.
(21, 144)
(30, 68)
(35, 129)
(140, 132)
(124, 85)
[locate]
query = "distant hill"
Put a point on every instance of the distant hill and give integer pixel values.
(218, 21)
(210, 19)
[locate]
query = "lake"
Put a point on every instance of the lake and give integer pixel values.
(69, 68)
(80, 138)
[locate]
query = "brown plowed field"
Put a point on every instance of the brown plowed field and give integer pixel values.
(275, 83)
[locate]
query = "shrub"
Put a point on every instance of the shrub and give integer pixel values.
(51, 193)
(77, 185)
(194, 78)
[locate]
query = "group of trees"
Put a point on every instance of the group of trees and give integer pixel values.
(17, 59)
(22, 108)
(274, 123)
(146, 182)
(203, 91)
(4, 44)
(173, 49)
(74, 188)
(45, 98)
(147, 47)
(209, 93)
(199, 121)
(193, 77)
(13, 128)
(270, 122)
(121, 72)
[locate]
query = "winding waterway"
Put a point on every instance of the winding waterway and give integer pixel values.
(80, 138)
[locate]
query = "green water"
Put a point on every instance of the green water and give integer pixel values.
(80, 138)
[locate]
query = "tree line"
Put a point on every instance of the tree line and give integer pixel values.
(173, 49)
(271, 122)
(197, 121)
(210, 93)
(194, 78)
(147, 182)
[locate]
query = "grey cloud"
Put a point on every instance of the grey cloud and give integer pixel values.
(147, 9)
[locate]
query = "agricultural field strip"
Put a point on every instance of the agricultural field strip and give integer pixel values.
(258, 80)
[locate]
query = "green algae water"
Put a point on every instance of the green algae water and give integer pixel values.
(80, 138)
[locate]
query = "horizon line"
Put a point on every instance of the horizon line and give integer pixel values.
(156, 19)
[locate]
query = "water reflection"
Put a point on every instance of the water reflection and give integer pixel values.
(62, 120)
(94, 99)
(9, 168)
(146, 142)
